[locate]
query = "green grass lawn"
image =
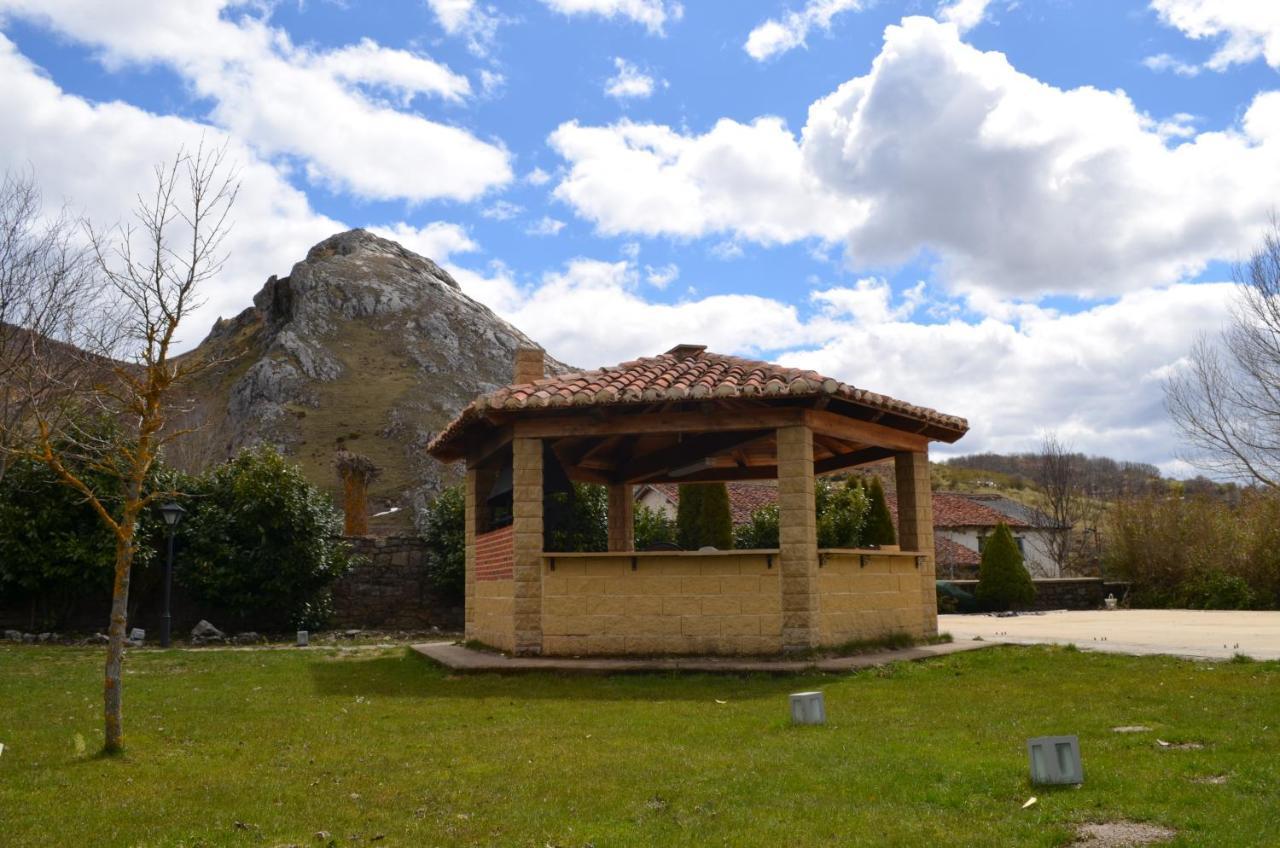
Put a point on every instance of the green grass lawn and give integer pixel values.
(380, 747)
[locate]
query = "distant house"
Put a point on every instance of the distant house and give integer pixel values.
(961, 523)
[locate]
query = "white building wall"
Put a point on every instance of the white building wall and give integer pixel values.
(1035, 546)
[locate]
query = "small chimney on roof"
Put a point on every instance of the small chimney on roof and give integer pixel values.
(531, 364)
(687, 351)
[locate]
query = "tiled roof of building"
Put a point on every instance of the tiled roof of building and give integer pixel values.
(951, 509)
(687, 372)
(952, 553)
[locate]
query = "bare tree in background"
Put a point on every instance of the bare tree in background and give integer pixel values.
(1070, 506)
(1227, 402)
(152, 271)
(47, 290)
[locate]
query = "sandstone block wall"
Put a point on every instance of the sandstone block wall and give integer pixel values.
(670, 604)
(864, 602)
(390, 589)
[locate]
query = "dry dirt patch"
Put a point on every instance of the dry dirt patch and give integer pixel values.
(1120, 834)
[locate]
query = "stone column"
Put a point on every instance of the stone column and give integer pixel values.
(798, 534)
(526, 512)
(915, 527)
(621, 518)
(476, 510)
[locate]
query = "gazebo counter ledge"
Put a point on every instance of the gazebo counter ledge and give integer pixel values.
(725, 602)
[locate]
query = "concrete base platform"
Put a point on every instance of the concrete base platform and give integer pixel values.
(459, 658)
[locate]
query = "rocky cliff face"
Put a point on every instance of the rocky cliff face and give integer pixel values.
(367, 346)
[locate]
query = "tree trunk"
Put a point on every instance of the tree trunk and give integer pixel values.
(111, 702)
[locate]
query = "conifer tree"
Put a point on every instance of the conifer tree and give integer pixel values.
(1003, 581)
(878, 529)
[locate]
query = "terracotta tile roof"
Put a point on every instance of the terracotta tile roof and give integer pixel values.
(951, 509)
(687, 372)
(951, 553)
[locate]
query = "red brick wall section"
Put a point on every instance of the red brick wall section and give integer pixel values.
(495, 554)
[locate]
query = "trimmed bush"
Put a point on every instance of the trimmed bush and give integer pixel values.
(703, 517)
(1003, 581)
(841, 513)
(760, 531)
(878, 529)
(581, 519)
(262, 542)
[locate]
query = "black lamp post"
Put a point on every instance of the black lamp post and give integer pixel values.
(172, 514)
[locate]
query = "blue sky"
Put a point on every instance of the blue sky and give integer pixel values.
(1022, 212)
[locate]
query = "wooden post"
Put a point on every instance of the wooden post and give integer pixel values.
(621, 518)
(526, 511)
(915, 527)
(798, 534)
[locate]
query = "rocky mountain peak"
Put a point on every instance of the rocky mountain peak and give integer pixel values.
(365, 345)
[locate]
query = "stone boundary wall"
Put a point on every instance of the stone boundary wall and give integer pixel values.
(870, 601)
(390, 590)
(1056, 593)
(669, 604)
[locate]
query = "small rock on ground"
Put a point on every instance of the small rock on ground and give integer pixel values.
(1120, 834)
(1130, 728)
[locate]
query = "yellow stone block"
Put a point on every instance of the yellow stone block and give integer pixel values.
(721, 605)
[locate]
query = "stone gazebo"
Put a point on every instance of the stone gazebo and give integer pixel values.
(686, 416)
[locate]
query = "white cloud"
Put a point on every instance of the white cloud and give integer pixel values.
(537, 177)
(661, 276)
(1096, 375)
(1250, 29)
(779, 35)
(1162, 62)
(476, 22)
(322, 106)
(652, 14)
(629, 83)
(748, 179)
(545, 226)
(501, 210)
(97, 157)
(965, 14)
(1020, 188)
(438, 240)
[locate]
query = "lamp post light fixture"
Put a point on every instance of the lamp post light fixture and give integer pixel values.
(172, 514)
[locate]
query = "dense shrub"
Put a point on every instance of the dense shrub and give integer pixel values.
(1003, 581)
(55, 552)
(840, 511)
(581, 519)
(760, 531)
(261, 542)
(703, 517)
(1197, 552)
(653, 527)
(443, 528)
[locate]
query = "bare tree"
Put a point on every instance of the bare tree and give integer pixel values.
(1227, 402)
(152, 270)
(47, 285)
(1070, 505)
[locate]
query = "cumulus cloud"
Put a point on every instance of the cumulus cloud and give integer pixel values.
(1162, 62)
(629, 83)
(1094, 376)
(778, 35)
(654, 15)
(97, 157)
(1249, 29)
(743, 178)
(545, 226)
(1021, 188)
(965, 14)
(476, 22)
(326, 107)
(438, 240)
